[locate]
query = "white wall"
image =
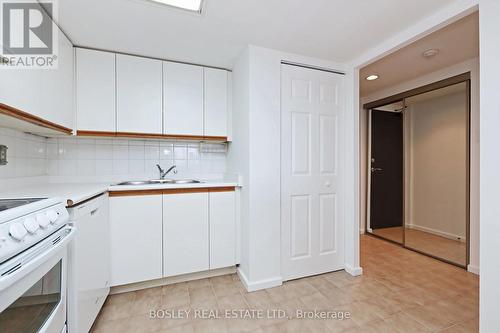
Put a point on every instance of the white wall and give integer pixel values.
(26, 154)
(238, 155)
(489, 27)
(256, 135)
(438, 165)
(471, 66)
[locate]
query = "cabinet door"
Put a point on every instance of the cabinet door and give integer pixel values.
(57, 87)
(20, 89)
(222, 229)
(95, 90)
(45, 93)
(183, 99)
(136, 238)
(185, 233)
(215, 119)
(138, 95)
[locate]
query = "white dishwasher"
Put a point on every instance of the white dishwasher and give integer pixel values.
(88, 278)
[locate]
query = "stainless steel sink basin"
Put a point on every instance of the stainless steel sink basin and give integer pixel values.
(176, 181)
(186, 181)
(160, 181)
(139, 182)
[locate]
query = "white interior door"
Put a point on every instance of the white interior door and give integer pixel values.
(311, 172)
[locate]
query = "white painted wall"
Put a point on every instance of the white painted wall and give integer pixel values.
(489, 27)
(471, 66)
(255, 153)
(438, 165)
(238, 155)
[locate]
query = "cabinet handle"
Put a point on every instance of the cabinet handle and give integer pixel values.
(94, 211)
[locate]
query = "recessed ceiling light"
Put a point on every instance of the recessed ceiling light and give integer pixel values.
(191, 5)
(430, 53)
(372, 77)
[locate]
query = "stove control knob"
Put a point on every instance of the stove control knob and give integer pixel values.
(31, 225)
(43, 220)
(52, 216)
(17, 231)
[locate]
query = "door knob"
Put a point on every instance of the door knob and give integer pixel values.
(328, 184)
(376, 169)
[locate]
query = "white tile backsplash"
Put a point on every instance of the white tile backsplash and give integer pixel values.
(134, 158)
(26, 154)
(30, 155)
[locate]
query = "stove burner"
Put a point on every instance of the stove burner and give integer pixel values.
(13, 203)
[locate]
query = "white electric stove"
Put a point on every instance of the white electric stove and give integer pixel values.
(34, 239)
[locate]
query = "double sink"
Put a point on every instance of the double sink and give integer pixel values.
(160, 181)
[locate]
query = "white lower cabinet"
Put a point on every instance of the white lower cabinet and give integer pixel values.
(185, 233)
(136, 238)
(154, 236)
(222, 229)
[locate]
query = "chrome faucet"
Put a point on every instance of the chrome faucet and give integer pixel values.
(163, 173)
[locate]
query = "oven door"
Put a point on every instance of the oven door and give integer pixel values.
(33, 287)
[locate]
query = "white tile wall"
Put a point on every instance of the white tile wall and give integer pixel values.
(26, 154)
(117, 157)
(31, 155)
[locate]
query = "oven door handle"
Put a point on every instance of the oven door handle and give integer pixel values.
(32, 263)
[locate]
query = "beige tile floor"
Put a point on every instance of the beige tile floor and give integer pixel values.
(400, 291)
(442, 247)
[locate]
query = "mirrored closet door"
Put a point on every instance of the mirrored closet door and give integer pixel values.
(418, 171)
(437, 173)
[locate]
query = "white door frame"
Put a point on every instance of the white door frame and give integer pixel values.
(447, 15)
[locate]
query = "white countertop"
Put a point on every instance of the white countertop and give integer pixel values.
(204, 184)
(74, 193)
(71, 193)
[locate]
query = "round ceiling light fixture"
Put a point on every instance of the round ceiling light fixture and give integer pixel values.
(372, 77)
(430, 53)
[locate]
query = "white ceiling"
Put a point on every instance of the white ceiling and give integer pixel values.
(456, 42)
(336, 30)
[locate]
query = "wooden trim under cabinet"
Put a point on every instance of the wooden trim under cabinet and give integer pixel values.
(131, 193)
(151, 136)
(24, 116)
(128, 193)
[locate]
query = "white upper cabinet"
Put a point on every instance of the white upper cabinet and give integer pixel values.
(58, 101)
(45, 93)
(95, 90)
(183, 99)
(215, 88)
(138, 94)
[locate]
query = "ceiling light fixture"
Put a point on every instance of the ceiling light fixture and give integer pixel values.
(372, 77)
(430, 53)
(191, 5)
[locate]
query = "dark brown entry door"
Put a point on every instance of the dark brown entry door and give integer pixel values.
(386, 194)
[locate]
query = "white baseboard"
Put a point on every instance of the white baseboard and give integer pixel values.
(473, 269)
(258, 285)
(171, 280)
(354, 271)
(437, 232)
